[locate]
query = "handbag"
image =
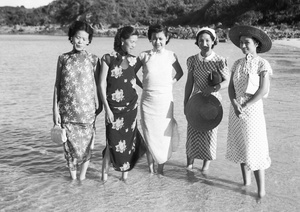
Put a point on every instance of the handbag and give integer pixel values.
(58, 134)
(214, 78)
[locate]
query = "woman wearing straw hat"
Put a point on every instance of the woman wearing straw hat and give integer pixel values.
(247, 142)
(202, 143)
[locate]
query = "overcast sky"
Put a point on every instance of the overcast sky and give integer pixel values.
(25, 3)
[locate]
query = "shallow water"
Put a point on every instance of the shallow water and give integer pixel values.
(34, 176)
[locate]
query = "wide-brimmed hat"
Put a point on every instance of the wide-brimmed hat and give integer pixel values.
(203, 113)
(265, 41)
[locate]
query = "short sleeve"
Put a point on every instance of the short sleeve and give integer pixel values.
(106, 59)
(265, 67)
(189, 63)
(223, 68)
(60, 62)
(142, 56)
(234, 66)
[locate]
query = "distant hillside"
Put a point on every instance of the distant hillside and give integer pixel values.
(145, 12)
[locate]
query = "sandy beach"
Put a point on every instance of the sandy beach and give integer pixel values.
(34, 176)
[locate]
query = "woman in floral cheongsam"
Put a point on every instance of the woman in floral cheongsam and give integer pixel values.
(125, 144)
(75, 100)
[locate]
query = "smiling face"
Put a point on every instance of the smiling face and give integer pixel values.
(205, 44)
(248, 45)
(129, 44)
(158, 40)
(80, 40)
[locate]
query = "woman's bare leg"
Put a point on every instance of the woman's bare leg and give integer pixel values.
(105, 164)
(124, 176)
(260, 181)
(73, 174)
(205, 165)
(160, 169)
(83, 170)
(190, 163)
(150, 162)
(246, 174)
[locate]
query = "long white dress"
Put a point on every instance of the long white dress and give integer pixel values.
(158, 124)
(247, 136)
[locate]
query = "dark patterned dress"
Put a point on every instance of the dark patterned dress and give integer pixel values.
(124, 140)
(203, 145)
(77, 104)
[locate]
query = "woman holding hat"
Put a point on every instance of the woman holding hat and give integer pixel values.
(247, 142)
(202, 144)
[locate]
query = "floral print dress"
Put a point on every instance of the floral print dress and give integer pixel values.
(124, 140)
(78, 102)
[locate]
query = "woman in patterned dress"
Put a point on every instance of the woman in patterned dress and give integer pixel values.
(203, 145)
(75, 99)
(125, 144)
(158, 123)
(247, 141)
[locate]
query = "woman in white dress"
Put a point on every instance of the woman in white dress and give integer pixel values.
(157, 120)
(247, 141)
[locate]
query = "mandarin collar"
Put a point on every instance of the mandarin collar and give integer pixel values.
(78, 52)
(208, 58)
(152, 52)
(250, 56)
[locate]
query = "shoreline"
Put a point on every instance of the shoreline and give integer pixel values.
(178, 32)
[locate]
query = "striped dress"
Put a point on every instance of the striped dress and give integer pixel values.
(203, 145)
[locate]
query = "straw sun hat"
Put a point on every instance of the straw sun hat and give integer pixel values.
(204, 113)
(236, 32)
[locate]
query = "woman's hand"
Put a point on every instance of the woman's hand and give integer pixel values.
(56, 118)
(109, 116)
(238, 108)
(207, 91)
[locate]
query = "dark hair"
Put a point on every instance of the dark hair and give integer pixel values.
(125, 33)
(156, 29)
(215, 40)
(258, 48)
(80, 25)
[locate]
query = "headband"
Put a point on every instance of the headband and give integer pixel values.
(212, 31)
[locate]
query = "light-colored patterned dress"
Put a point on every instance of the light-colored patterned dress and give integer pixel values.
(203, 145)
(247, 137)
(126, 145)
(159, 126)
(77, 104)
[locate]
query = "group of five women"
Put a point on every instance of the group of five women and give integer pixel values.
(86, 84)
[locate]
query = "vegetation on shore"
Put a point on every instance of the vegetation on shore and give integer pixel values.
(280, 18)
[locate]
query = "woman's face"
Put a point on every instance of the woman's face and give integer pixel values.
(158, 40)
(205, 43)
(129, 44)
(80, 40)
(248, 45)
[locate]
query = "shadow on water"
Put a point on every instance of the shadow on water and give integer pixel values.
(179, 172)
